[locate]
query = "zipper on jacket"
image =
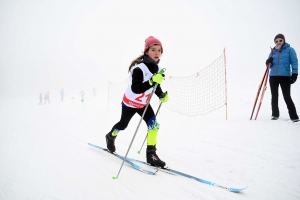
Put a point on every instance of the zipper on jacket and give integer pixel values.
(278, 63)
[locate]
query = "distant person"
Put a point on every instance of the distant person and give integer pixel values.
(284, 72)
(47, 98)
(94, 92)
(82, 95)
(41, 99)
(62, 94)
(144, 75)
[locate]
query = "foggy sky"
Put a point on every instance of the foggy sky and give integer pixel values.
(74, 44)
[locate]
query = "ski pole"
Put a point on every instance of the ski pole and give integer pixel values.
(263, 92)
(155, 86)
(260, 86)
(147, 133)
(258, 92)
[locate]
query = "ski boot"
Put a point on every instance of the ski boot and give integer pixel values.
(152, 157)
(274, 118)
(110, 140)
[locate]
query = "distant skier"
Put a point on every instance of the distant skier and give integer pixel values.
(47, 98)
(41, 99)
(82, 95)
(94, 92)
(62, 94)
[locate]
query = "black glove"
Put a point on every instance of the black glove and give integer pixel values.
(269, 60)
(162, 95)
(293, 78)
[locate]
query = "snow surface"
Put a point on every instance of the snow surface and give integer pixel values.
(44, 152)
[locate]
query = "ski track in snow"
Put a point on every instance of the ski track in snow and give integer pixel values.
(44, 155)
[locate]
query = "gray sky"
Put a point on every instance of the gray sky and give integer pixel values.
(75, 44)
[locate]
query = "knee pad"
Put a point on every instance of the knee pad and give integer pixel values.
(153, 124)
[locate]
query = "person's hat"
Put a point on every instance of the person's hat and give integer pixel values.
(279, 36)
(150, 41)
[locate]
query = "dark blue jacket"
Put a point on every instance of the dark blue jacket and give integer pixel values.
(285, 62)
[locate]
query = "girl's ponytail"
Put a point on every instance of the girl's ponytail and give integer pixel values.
(138, 60)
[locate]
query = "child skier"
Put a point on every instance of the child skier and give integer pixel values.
(144, 75)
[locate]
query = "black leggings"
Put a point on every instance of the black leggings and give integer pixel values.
(127, 114)
(285, 85)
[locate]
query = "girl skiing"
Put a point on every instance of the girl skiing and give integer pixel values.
(143, 77)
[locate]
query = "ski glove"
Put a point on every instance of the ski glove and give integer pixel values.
(156, 78)
(293, 78)
(269, 60)
(164, 97)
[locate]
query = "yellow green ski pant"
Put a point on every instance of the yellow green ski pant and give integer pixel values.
(151, 138)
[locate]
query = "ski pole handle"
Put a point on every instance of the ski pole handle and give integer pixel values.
(162, 71)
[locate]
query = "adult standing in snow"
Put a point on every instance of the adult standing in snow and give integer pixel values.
(144, 74)
(284, 71)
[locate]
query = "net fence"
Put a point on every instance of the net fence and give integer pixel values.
(198, 94)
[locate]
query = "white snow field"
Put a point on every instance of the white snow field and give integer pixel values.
(44, 153)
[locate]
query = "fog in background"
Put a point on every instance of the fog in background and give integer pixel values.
(78, 45)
